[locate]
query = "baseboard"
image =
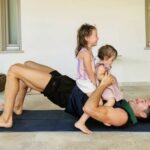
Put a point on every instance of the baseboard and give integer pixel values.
(134, 83)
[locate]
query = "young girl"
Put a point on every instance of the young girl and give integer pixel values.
(86, 76)
(107, 55)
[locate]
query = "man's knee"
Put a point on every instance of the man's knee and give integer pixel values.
(14, 68)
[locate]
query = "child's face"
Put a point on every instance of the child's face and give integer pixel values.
(92, 39)
(110, 60)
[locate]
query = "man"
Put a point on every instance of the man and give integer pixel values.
(63, 91)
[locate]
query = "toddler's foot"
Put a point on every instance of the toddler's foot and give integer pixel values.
(107, 124)
(82, 127)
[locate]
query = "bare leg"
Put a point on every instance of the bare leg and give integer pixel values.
(32, 78)
(92, 107)
(37, 66)
(110, 102)
(2, 106)
(18, 106)
(23, 88)
(80, 124)
(104, 114)
(100, 102)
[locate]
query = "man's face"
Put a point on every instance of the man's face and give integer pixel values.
(140, 106)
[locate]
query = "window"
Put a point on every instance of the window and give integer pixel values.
(147, 6)
(10, 37)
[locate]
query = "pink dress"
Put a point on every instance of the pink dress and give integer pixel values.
(112, 90)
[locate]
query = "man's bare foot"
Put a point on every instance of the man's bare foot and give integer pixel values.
(1, 106)
(18, 110)
(82, 127)
(5, 123)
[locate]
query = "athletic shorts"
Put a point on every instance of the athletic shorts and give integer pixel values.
(76, 102)
(59, 89)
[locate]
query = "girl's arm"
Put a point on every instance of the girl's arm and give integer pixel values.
(88, 66)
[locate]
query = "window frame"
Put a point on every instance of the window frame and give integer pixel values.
(147, 23)
(6, 47)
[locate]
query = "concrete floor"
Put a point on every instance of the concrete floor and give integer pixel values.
(75, 140)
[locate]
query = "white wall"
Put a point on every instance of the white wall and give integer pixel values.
(49, 34)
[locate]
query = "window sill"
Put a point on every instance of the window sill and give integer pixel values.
(147, 48)
(11, 51)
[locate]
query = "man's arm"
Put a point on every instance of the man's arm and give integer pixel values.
(104, 114)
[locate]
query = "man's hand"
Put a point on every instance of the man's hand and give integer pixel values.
(107, 80)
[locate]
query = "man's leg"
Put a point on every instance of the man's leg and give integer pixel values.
(23, 87)
(18, 106)
(37, 66)
(34, 79)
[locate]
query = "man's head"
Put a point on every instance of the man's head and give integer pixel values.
(141, 108)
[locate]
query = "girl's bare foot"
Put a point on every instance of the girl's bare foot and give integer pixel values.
(5, 123)
(82, 127)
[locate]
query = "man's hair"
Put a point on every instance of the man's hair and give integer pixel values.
(147, 119)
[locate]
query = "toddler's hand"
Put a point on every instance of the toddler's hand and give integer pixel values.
(107, 80)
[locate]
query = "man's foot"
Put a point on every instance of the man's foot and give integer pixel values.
(1, 106)
(18, 110)
(83, 128)
(4, 123)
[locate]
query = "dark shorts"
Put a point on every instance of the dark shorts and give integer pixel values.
(76, 102)
(59, 89)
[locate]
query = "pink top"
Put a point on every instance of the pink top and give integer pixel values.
(112, 90)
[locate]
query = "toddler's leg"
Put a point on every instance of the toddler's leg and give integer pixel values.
(100, 102)
(110, 102)
(80, 124)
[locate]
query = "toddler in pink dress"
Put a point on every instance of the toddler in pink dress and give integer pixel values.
(107, 54)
